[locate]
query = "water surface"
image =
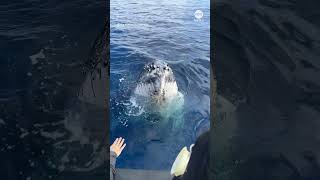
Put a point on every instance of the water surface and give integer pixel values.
(142, 32)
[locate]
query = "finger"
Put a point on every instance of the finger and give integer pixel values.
(115, 141)
(121, 142)
(123, 147)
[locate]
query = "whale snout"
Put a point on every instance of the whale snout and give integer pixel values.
(159, 85)
(157, 81)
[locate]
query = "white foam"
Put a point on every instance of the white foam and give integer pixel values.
(24, 134)
(53, 135)
(34, 58)
(134, 108)
(2, 121)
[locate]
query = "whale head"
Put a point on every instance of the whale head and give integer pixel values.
(157, 82)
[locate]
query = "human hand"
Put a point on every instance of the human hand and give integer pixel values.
(117, 146)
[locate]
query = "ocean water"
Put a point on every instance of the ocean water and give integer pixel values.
(44, 46)
(144, 31)
(267, 69)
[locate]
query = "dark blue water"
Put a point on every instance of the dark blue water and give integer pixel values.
(43, 47)
(143, 31)
(267, 68)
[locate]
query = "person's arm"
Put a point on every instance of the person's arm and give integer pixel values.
(113, 158)
(115, 151)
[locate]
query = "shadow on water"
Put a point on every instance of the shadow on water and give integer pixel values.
(267, 70)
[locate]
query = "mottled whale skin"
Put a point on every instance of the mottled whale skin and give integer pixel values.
(157, 92)
(157, 83)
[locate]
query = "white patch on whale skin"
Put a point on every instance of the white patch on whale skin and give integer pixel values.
(144, 89)
(169, 89)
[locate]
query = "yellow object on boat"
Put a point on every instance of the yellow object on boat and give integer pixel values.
(180, 164)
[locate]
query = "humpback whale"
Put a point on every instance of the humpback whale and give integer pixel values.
(157, 82)
(157, 92)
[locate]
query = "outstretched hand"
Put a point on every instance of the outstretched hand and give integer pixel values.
(117, 146)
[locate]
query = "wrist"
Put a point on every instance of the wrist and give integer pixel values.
(114, 154)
